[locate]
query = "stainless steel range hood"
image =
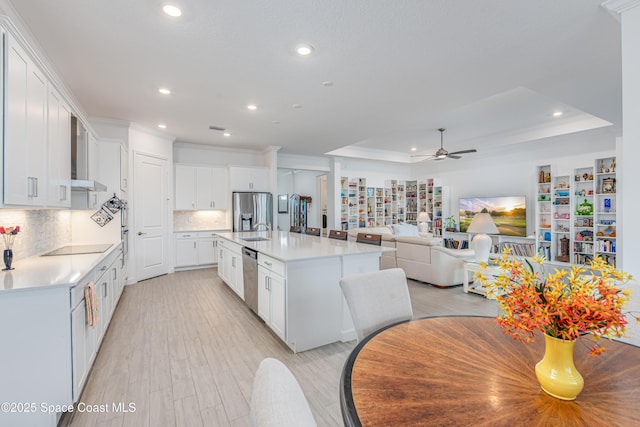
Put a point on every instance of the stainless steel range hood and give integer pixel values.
(87, 185)
(80, 179)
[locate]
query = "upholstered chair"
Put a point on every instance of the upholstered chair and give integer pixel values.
(313, 231)
(377, 299)
(277, 399)
(338, 234)
(371, 239)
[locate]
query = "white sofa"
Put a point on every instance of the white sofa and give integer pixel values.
(428, 261)
(421, 257)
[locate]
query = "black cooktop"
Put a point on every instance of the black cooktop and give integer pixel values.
(79, 249)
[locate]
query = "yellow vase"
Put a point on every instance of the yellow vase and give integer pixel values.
(556, 372)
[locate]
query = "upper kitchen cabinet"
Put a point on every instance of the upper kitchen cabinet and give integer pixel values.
(201, 188)
(25, 129)
(59, 143)
(249, 178)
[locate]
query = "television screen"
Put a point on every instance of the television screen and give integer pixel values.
(509, 213)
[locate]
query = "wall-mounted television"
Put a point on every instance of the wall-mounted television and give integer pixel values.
(509, 213)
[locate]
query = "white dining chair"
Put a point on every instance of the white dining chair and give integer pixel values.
(277, 399)
(377, 299)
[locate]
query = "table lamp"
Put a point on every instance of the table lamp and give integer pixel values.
(423, 222)
(481, 225)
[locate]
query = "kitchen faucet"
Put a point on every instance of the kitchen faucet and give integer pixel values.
(267, 225)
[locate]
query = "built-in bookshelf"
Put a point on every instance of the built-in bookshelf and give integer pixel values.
(353, 203)
(583, 229)
(401, 202)
(543, 211)
(561, 218)
(411, 195)
(605, 205)
(344, 203)
(576, 213)
(362, 202)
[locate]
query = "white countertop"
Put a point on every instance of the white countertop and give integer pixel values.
(50, 271)
(287, 246)
(199, 230)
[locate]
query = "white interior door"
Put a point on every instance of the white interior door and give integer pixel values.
(151, 216)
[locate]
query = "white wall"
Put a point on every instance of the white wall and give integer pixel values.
(199, 154)
(629, 153)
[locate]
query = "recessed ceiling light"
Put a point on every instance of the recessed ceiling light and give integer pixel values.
(172, 10)
(297, 106)
(557, 114)
(164, 91)
(162, 126)
(413, 148)
(252, 107)
(327, 83)
(275, 122)
(304, 49)
(226, 134)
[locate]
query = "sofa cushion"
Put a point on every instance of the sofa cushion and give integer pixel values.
(405, 230)
(424, 241)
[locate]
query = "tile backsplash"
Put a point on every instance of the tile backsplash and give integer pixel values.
(40, 230)
(200, 220)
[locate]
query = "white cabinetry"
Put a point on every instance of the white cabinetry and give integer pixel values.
(207, 248)
(200, 188)
(249, 178)
(25, 129)
(86, 340)
(59, 129)
(196, 249)
(230, 265)
(272, 294)
(186, 245)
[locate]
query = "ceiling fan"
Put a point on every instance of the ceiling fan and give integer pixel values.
(442, 154)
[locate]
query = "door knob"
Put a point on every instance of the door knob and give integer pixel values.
(140, 233)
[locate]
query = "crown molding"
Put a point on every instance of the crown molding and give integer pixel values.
(618, 7)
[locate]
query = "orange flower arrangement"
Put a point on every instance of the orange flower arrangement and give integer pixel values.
(565, 304)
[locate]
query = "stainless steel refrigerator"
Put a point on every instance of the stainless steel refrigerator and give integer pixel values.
(250, 209)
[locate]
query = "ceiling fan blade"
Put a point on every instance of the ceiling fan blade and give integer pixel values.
(465, 151)
(453, 156)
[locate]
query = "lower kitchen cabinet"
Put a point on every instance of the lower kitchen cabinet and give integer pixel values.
(195, 249)
(86, 340)
(230, 265)
(272, 294)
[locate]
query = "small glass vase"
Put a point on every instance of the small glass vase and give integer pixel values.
(556, 372)
(8, 259)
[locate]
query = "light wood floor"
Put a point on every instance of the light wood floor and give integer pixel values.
(184, 348)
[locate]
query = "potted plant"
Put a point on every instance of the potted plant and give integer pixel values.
(450, 223)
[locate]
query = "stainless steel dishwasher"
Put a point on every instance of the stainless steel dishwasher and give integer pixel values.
(250, 275)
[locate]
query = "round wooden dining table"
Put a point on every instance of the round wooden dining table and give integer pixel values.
(459, 371)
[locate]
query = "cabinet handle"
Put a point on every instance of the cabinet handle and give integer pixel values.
(36, 181)
(104, 267)
(268, 263)
(115, 274)
(124, 182)
(233, 262)
(104, 287)
(266, 284)
(140, 233)
(194, 245)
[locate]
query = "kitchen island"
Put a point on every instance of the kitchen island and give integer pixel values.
(299, 295)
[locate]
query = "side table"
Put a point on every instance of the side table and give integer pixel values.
(473, 266)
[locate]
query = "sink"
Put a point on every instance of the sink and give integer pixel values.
(253, 239)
